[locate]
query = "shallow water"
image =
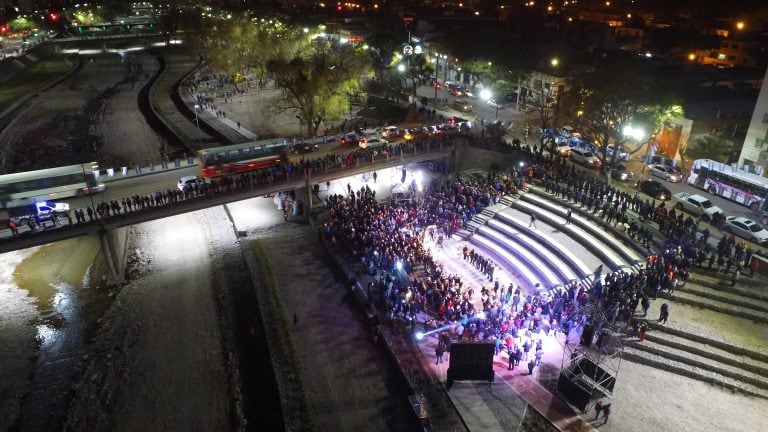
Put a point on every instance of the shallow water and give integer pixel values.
(57, 277)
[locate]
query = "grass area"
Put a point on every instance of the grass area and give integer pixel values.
(283, 346)
(33, 78)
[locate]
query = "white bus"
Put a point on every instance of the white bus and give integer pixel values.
(20, 189)
(721, 179)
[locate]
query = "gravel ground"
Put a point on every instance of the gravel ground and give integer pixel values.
(92, 115)
(160, 363)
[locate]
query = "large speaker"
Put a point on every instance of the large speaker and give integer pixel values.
(574, 390)
(470, 361)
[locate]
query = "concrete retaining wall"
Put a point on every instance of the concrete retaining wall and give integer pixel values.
(114, 249)
(11, 67)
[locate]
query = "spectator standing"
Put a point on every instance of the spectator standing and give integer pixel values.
(532, 225)
(664, 313)
(439, 351)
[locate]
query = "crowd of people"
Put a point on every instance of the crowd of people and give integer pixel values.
(511, 318)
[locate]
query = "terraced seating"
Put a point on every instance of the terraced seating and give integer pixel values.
(544, 244)
(593, 243)
(500, 255)
(687, 297)
(681, 350)
(544, 271)
(627, 252)
(734, 296)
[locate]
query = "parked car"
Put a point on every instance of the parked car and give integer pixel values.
(696, 204)
(585, 157)
(461, 105)
(621, 173)
(493, 103)
(564, 150)
(654, 189)
(622, 155)
(746, 228)
(373, 142)
(391, 131)
(667, 172)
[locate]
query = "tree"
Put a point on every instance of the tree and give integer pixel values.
(619, 92)
(317, 81)
(711, 147)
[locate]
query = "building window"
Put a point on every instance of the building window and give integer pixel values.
(731, 58)
(721, 56)
(735, 46)
(765, 117)
(759, 142)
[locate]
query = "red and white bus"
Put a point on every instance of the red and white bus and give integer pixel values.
(239, 158)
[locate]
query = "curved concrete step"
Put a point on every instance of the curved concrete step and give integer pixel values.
(589, 226)
(498, 254)
(594, 244)
(510, 224)
(716, 294)
(691, 358)
(632, 354)
(622, 237)
(722, 355)
(695, 300)
(545, 272)
(746, 287)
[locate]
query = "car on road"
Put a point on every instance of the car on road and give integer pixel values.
(373, 142)
(746, 228)
(493, 103)
(621, 173)
(301, 148)
(391, 131)
(696, 204)
(667, 172)
(585, 157)
(350, 138)
(190, 181)
(415, 134)
(654, 189)
(461, 105)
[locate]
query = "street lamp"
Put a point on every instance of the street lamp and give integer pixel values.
(638, 134)
(486, 95)
(197, 122)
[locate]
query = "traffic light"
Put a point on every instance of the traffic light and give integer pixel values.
(54, 17)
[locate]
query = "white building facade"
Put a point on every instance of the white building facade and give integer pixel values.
(755, 149)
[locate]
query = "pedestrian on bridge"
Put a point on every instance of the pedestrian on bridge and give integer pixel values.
(532, 225)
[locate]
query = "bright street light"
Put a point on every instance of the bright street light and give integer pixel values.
(635, 133)
(485, 94)
(401, 67)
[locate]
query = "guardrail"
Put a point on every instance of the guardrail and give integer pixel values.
(169, 202)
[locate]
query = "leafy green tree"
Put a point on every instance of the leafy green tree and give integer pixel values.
(318, 81)
(619, 92)
(711, 147)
